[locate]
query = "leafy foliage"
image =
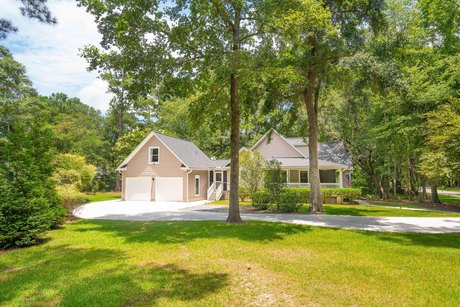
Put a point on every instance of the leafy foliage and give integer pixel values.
(72, 169)
(29, 203)
(251, 175)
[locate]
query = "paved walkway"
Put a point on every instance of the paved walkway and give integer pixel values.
(150, 211)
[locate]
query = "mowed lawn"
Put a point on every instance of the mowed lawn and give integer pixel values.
(361, 210)
(93, 263)
(102, 196)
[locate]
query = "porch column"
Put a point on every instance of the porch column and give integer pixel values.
(341, 178)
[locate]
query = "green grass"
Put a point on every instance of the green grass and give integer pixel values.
(225, 203)
(360, 210)
(449, 199)
(106, 263)
(451, 189)
(102, 196)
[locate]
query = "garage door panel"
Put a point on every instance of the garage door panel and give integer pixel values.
(139, 188)
(169, 189)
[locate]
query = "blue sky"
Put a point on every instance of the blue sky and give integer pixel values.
(50, 53)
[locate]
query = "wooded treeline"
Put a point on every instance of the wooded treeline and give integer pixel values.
(383, 76)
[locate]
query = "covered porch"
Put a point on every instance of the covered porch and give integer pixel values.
(329, 178)
(218, 183)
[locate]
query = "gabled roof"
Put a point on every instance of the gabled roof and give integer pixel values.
(272, 130)
(185, 151)
(329, 153)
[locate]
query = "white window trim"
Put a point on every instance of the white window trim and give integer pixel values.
(199, 184)
(150, 155)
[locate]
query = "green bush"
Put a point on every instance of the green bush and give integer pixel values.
(71, 198)
(244, 193)
(348, 194)
(262, 199)
(29, 204)
(288, 201)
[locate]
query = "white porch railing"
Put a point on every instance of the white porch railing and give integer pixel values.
(219, 191)
(210, 190)
(307, 185)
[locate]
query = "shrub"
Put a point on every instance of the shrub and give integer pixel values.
(262, 199)
(348, 194)
(71, 198)
(29, 204)
(275, 177)
(72, 169)
(244, 193)
(288, 201)
(251, 177)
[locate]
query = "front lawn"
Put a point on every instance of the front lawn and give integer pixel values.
(119, 263)
(102, 196)
(361, 210)
(449, 199)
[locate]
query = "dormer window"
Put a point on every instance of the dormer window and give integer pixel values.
(154, 155)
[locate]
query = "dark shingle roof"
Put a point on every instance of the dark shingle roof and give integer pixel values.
(187, 151)
(328, 151)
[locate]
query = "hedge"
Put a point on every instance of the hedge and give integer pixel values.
(348, 194)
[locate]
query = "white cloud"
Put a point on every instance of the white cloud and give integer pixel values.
(95, 95)
(50, 53)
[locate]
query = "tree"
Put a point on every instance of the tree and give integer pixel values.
(72, 169)
(251, 175)
(312, 36)
(194, 46)
(274, 178)
(34, 9)
(29, 203)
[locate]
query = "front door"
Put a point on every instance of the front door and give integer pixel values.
(218, 179)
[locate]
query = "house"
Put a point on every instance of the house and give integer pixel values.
(165, 168)
(334, 161)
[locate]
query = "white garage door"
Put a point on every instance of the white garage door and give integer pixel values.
(169, 189)
(139, 188)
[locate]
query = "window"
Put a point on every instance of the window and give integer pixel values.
(211, 177)
(197, 185)
(154, 155)
(303, 177)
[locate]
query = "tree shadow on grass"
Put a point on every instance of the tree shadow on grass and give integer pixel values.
(84, 277)
(186, 231)
(449, 240)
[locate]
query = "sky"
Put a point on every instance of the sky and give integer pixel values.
(51, 53)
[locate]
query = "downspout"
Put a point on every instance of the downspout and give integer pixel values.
(188, 172)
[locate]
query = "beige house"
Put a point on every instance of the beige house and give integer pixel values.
(165, 168)
(335, 162)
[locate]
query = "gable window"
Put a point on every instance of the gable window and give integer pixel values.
(154, 155)
(197, 185)
(303, 177)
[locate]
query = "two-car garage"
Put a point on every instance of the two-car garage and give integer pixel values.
(165, 188)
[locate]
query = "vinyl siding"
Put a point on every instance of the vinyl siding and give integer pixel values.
(169, 166)
(203, 185)
(276, 148)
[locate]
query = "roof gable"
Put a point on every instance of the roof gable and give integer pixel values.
(276, 146)
(185, 151)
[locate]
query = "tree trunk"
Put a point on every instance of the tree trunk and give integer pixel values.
(316, 201)
(434, 194)
(422, 196)
(378, 186)
(234, 205)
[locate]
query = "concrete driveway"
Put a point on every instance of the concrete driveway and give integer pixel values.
(177, 211)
